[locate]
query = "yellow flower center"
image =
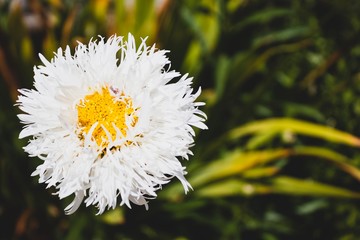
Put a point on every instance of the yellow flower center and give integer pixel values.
(109, 112)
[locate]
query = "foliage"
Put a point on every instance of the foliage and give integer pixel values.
(280, 79)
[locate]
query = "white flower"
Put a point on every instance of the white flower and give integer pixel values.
(109, 121)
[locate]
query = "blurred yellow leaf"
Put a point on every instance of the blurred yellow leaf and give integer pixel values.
(260, 139)
(99, 8)
(233, 5)
(260, 172)
(26, 49)
(114, 217)
(235, 163)
(232, 164)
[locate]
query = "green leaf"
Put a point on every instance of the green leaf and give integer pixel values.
(232, 187)
(245, 64)
(280, 185)
(260, 172)
(234, 164)
(99, 9)
(311, 206)
(114, 217)
(293, 186)
(78, 224)
(221, 75)
(205, 26)
(281, 36)
(282, 125)
(144, 17)
(233, 5)
(260, 139)
(294, 109)
(339, 160)
(263, 16)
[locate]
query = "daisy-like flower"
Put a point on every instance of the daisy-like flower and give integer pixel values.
(109, 122)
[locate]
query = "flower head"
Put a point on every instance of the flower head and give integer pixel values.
(109, 122)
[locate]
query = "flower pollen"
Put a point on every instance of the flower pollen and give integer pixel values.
(109, 112)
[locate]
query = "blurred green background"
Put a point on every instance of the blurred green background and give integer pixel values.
(281, 80)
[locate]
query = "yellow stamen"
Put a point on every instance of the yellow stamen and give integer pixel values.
(106, 110)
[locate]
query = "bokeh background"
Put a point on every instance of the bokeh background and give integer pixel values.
(281, 82)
